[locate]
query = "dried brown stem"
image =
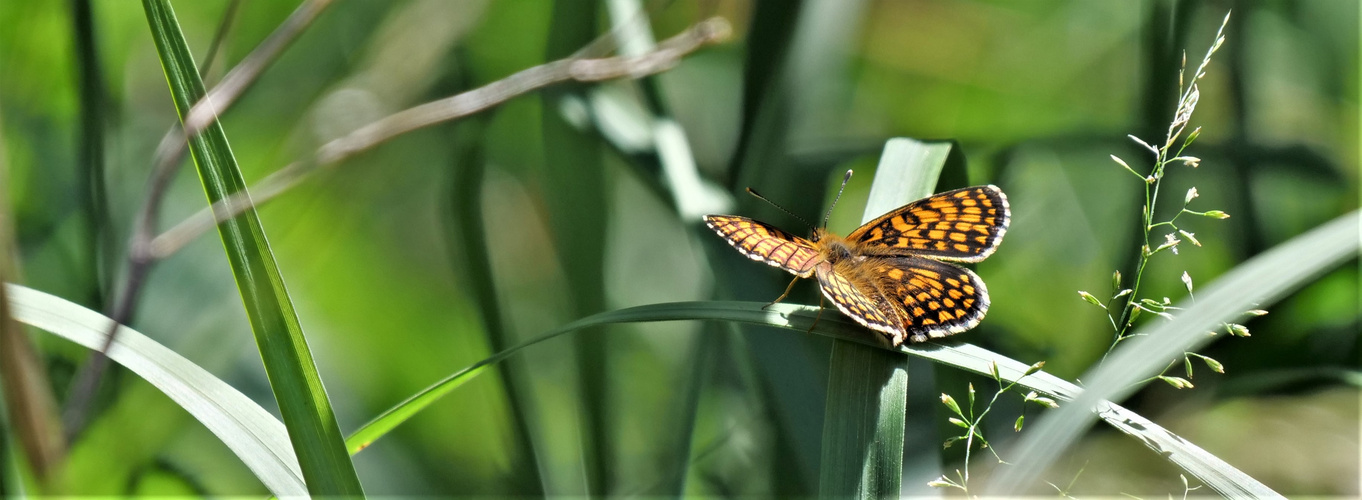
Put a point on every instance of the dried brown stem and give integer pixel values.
(169, 154)
(30, 407)
(144, 250)
(664, 57)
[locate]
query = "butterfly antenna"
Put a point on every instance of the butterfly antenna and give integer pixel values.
(834, 200)
(782, 209)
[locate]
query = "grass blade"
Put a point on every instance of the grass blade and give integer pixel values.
(576, 202)
(90, 155)
(293, 376)
(251, 432)
(863, 421)
(471, 255)
(1254, 284)
(761, 160)
(800, 318)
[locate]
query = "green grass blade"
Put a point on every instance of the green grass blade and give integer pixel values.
(761, 160)
(90, 156)
(793, 317)
(1254, 284)
(297, 387)
(863, 421)
(247, 429)
(800, 318)
(467, 239)
(576, 201)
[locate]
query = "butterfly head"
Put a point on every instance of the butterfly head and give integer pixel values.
(832, 248)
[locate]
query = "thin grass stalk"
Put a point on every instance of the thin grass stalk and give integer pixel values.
(761, 160)
(31, 416)
(474, 262)
(90, 185)
(575, 198)
(31, 412)
(293, 376)
(679, 174)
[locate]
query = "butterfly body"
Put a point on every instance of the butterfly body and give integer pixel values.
(893, 274)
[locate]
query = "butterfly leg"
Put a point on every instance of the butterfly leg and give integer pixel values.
(820, 314)
(783, 295)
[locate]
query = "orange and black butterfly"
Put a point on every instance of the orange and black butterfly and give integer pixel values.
(893, 274)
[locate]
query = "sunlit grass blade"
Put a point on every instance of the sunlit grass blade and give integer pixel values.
(1254, 284)
(800, 318)
(292, 373)
(248, 430)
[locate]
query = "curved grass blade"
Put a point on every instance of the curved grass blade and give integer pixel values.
(297, 387)
(247, 429)
(800, 318)
(1254, 284)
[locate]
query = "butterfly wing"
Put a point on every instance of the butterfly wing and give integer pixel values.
(964, 225)
(936, 298)
(763, 242)
(907, 298)
(861, 303)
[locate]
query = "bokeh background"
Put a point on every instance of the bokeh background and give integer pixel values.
(431, 252)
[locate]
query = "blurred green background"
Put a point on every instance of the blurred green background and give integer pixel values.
(433, 251)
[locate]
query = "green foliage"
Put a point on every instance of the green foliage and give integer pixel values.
(297, 386)
(423, 265)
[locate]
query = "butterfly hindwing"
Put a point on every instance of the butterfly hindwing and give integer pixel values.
(764, 242)
(866, 306)
(964, 225)
(935, 298)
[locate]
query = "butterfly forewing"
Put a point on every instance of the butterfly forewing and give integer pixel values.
(763, 242)
(964, 225)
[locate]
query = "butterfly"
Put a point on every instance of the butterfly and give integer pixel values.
(893, 274)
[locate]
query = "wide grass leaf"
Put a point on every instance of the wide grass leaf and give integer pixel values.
(247, 429)
(863, 420)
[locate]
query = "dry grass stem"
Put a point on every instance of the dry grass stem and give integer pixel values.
(666, 56)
